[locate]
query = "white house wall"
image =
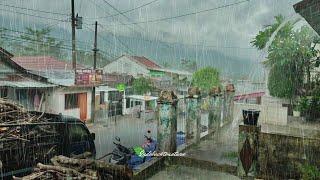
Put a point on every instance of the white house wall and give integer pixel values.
(56, 101)
(125, 65)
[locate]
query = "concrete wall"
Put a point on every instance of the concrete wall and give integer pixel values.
(280, 156)
(125, 65)
(269, 114)
(55, 101)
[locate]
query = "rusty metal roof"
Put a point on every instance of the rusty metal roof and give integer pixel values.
(145, 61)
(43, 63)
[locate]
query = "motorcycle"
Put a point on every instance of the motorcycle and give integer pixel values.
(133, 156)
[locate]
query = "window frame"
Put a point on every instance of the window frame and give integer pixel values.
(76, 106)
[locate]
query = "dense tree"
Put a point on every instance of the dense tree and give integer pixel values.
(284, 88)
(39, 42)
(206, 78)
(290, 57)
(142, 85)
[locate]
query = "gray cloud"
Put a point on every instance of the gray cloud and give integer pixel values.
(229, 27)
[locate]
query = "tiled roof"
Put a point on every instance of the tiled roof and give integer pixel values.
(42, 63)
(145, 61)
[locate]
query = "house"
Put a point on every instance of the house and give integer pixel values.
(44, 83)
(19, 84)
(138, 66)
(132, 65)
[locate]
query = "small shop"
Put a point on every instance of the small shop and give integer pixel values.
(142, 106)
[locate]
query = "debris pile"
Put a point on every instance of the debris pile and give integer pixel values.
(78, 168)
(13, 121)
(13, 113)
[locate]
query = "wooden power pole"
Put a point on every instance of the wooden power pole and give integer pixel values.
(73, 25)
(95, 50)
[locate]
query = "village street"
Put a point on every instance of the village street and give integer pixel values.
(155, 89)
(130, 129)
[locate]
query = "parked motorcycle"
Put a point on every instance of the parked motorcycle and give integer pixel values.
(133, 156)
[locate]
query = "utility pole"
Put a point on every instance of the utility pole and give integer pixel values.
(73, 25)
(95, 50)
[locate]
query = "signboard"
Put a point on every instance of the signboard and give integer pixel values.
(155, 73)
(88, 76)
(121, 87)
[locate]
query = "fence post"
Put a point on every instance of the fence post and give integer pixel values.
(193, 124)
(229, 102)
(167, 122)
(214, 111)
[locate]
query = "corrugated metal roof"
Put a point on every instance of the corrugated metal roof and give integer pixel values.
(26, 84)
(145, 61)
(179, 72)
(59, 77)
(43, 63)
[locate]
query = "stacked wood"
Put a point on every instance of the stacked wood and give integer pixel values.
(75, 168)
(13, 121)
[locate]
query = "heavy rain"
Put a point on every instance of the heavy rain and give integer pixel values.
(159, 89)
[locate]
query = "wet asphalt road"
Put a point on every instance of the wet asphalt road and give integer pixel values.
(129, 128)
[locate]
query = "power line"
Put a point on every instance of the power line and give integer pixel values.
(11, 37)
(65, 47)
(124, 12)
(114, 8)
(36, 10)
(83, 43)
(16, 12)
(122, 43)
(21, 32)
(115, 37)
(187, 14)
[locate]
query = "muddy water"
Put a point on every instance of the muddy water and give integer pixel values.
(178, 172)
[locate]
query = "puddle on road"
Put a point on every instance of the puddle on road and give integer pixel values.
(178, 172)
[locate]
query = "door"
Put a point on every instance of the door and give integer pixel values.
(82, 100)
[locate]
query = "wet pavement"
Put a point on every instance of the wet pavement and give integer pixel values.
(220, 147)
(177, 172)
(130, 129)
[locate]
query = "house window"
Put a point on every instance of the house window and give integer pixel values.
(3, 93)
(71, 101)
(102, 97)
(138, 103)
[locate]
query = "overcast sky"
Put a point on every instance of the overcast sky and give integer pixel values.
(233, 26)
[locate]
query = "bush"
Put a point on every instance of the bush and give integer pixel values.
(142, 85)
(310, 107)
(206, 78)
(309, 172)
